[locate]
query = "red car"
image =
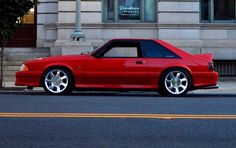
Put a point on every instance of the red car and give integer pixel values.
(130, 64)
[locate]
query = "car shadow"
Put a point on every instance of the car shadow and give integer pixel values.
(117, 93)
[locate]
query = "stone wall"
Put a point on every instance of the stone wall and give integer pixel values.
(47, 18)
(178, 21)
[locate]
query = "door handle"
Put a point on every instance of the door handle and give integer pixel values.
(140, 62)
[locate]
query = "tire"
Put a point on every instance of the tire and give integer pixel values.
(57, 81)
(175, 83)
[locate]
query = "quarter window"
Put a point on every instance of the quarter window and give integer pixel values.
(129, 10)
(155, 50)
(218, 10)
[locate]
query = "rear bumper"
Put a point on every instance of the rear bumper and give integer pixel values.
(28, 78)
(211, 87)
(205, 80)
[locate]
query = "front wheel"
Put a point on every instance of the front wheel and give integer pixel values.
(57, 81)
(175, 82)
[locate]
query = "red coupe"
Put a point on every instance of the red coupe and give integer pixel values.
(130, 64)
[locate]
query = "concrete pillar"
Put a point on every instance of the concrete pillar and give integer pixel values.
(78, 34)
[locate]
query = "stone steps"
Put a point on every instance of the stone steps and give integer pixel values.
(14, 57)
(12, 63)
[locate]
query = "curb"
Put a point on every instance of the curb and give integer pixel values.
(225, 87)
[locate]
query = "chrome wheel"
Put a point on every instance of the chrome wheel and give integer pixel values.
(56, 81)
(176, 82)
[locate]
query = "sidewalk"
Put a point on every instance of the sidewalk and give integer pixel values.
(225, 87)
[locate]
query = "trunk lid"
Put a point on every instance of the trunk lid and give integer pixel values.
(208, 56)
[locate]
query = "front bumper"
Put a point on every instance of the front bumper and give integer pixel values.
(28, 78)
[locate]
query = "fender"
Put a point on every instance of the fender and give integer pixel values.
(58, 64)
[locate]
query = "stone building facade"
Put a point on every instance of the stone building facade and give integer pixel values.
(197, 26)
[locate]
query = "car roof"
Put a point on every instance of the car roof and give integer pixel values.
(171, 47)
(131, 39)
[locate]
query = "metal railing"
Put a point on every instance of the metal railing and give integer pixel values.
(225, 68)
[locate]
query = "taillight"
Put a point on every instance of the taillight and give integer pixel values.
(211, 66)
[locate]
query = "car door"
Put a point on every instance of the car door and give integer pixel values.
(120, 65)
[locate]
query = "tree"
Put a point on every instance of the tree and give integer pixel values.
(10, 12)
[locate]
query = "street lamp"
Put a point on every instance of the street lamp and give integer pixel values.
(78, 34)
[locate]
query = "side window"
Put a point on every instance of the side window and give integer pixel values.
(155, 50)
(122, 50)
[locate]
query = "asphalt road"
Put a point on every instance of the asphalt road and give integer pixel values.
(104, 120)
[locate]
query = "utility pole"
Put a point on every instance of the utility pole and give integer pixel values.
(78, 34)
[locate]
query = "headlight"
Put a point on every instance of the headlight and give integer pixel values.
(24, 68)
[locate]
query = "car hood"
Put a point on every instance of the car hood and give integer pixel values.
(58, 58)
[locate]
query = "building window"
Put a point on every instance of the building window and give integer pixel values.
(218, 10)
(28, 18)
(129, 10)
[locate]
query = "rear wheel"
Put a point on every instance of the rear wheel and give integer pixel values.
(57, 81)
(175, 82)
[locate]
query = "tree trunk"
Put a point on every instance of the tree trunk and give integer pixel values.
(2, 68)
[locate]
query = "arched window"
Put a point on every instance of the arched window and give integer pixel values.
(129, 10)
(25, 36)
